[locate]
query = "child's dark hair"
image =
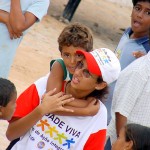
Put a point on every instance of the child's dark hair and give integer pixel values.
(136, 1)
(7, 89)
(77, 35)
(139, 135)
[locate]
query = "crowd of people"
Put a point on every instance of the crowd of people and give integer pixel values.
(90, 99)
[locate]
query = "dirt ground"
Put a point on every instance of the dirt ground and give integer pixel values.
(106, 19)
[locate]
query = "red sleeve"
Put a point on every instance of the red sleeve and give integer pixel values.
(27, 101)
(96, 141)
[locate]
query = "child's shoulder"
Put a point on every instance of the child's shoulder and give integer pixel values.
(128, 30)
(58, 60)
(67, 75)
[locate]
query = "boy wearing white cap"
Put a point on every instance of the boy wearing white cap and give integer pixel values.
(39, 128)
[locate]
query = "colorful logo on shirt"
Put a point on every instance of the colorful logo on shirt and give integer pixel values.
(55, 133)
(40, 144)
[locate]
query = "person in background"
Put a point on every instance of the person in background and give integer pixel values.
(134, 42)
(8, 95)
(133, 137)
(131, 97)
(16, 17)
(69, 10)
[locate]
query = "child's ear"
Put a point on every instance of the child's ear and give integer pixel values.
(129, 145)
(100, 86)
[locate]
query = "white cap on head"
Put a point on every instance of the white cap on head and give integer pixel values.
(102, 62)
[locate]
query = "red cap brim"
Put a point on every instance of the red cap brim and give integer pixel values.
(91, 62)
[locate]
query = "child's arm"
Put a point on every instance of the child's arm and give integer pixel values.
(90, 109)
(21, 21)
(50, 104)
(4, 16)
(80, 107)
(55, 77)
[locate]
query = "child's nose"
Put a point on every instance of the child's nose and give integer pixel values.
(78, 72)
(140, 14)
(73, 60)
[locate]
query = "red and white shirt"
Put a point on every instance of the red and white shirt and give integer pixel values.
(54, 132)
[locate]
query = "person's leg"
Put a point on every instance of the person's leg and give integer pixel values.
(67, 8)
(73, 9)
(108, 145)
(70, 9)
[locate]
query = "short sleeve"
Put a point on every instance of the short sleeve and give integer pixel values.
(39, 8)
(61, 62)
(97, 138)
(96, 141)
(27, 102)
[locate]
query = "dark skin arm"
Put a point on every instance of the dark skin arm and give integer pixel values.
(55, 78)
(80, 107)
(21, 21)
(51, 102)
(4, 18)
(88, 110)
(120, 122)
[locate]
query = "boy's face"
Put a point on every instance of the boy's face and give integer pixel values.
(121, 143)
(9, 109)
(70, 57)
(140, 19)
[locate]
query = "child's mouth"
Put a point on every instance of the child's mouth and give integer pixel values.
(75, 80)
(136, 23)
(71, 68)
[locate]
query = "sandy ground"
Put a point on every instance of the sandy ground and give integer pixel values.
(39, 46)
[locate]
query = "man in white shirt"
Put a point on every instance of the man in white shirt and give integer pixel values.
(16, 16)
(131, 100)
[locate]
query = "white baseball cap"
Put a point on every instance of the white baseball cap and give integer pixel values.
(102, 62)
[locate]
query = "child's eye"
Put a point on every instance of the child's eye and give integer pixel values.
(137, 8)
(66, 55)
(148, 13)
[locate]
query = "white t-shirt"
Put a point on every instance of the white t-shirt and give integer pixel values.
(54, 132)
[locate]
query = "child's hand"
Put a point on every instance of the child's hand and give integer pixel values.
(138, 54)
(93, 106)
(54, 102)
